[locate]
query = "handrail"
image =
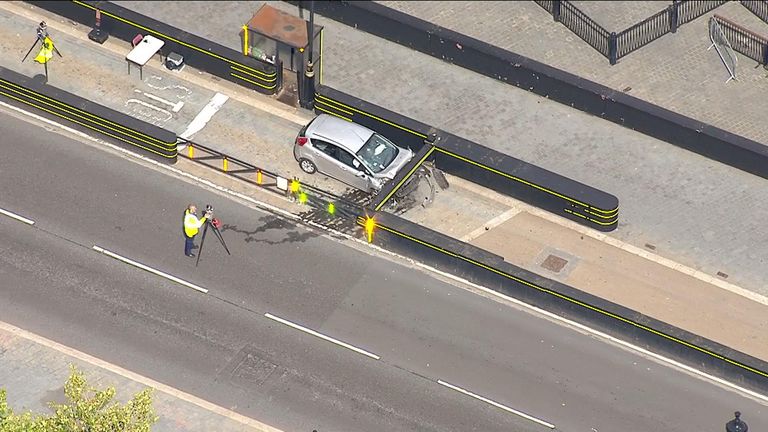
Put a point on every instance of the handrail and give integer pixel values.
(312, 196)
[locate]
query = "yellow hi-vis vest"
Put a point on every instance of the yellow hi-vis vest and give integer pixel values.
(192, 224)
(46, 52)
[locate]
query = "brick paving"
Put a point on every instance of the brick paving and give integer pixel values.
(692, 210)
(676, 71)
(34, 374)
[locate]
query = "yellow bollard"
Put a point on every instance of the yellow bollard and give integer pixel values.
(226, 164)
(370, 224)
(245, 39)
(191, 151)
(259, 177)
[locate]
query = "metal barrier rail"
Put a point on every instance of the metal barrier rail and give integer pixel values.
(644, 32)
(690, 10)
(744, 41)
(309, 195)
(757, 7)
(583, 26)
(615, 45)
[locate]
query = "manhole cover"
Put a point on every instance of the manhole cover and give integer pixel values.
(250, 368)
(554, 263)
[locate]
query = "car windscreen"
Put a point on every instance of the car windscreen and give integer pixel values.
(377, 153)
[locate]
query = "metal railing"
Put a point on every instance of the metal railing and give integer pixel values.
(757, 7)
(348, 207)
(744, 41)
(582, 25)
(616, 45)
(546, 4)
(690, 10)
(644, 32)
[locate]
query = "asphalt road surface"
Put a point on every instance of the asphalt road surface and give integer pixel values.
(220, 346)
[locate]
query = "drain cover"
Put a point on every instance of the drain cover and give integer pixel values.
(554, 263)
(249, 368)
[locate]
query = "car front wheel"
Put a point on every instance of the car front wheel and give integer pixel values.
(307, 166)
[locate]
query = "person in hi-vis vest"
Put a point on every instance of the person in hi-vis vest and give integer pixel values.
(191, 227)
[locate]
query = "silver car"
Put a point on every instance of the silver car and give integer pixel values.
(348, 152)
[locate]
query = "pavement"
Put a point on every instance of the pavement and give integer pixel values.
(651, 178)
(612, 266)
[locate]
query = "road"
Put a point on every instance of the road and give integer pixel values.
(220, 346)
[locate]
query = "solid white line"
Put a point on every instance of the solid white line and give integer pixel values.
(205, 115)
(149, 269)
(497, 405)
(17, 217)
(361, 242)
(171, 391)
(322, 336)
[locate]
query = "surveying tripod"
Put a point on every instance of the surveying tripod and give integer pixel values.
(215, 224)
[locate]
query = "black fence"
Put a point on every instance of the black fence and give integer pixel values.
(757, 7)
(688, 11)
(583, 26)
(617, 45)
(645, 32)
(744, 41)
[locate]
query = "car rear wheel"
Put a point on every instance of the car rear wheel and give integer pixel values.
(307, 166)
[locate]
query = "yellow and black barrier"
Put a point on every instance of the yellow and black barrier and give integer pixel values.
(200, 53)
(87, 116)
(473, 162)
(489, 270)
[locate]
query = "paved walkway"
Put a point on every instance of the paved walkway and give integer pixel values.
(652, 179)
(35, 369)
(676, 71)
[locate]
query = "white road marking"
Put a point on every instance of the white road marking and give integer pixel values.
(322, 336)
(175, 107)
(152, 107)
(149, 269)
(171, 391)
(497, 405)
(493, 223)
(167, 87)
(204, 116)
(17, 217)
(363, 243)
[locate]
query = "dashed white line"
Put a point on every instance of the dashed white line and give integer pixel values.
(149, 269)
(497, 405)
(322, 336)
(17, 217)
(469, 286)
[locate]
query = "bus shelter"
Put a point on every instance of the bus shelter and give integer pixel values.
(278, 37)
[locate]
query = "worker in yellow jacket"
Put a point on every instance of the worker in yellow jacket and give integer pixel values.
(191, 227)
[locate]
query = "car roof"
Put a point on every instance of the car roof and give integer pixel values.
(349, 135)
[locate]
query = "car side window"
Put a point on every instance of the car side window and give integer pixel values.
(325, 147)
(347, 159)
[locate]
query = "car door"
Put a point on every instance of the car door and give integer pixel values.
(326, 158)
(355, 173)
